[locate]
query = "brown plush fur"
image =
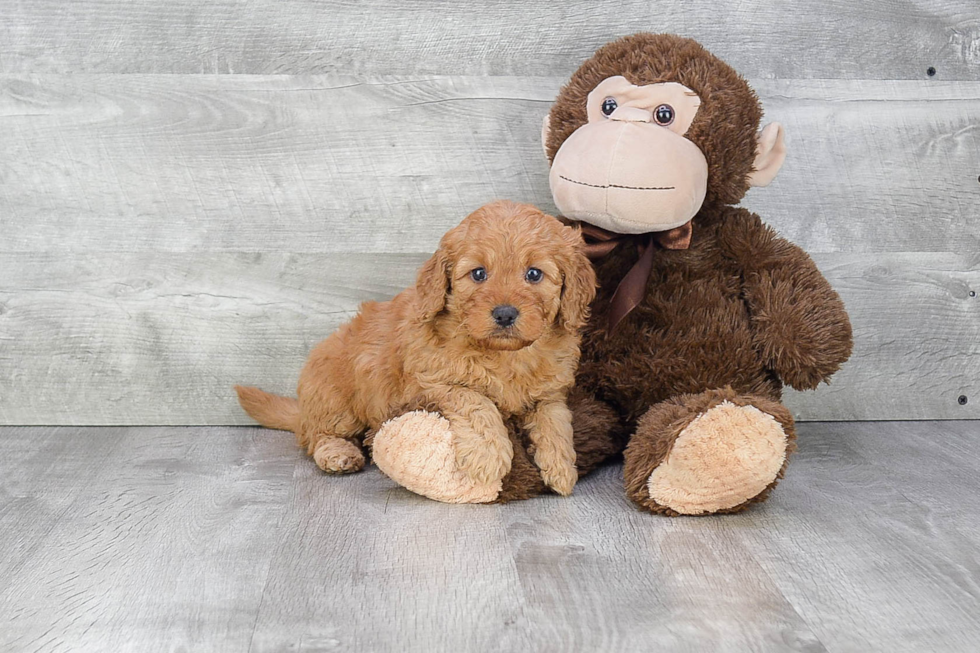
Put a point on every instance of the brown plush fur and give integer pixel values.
(740, 308)
(727, 119)
(663, 423)
(735, 316)
(436, 345)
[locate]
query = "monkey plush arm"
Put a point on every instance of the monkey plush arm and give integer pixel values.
(799, 323)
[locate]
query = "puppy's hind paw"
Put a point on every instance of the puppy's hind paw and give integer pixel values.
(338, 456)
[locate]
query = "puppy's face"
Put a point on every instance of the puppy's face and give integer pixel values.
(513, 274)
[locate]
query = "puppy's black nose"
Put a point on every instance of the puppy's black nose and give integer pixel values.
(505, 315)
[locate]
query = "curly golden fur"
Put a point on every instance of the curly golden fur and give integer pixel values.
(437, 345)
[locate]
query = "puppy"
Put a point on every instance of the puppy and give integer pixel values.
(489, 332)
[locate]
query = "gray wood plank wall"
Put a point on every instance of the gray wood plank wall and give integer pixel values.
(168, 229)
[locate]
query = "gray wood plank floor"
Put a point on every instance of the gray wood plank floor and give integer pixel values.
(227, 539)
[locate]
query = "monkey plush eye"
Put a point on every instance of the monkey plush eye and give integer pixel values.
(479, 275)
(664, 115)
(609, 105)
(533, 275)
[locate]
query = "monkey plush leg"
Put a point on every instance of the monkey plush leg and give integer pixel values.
(597, 431)
(712, 452)
(416, 451)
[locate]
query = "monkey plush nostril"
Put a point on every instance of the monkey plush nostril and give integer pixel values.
(631, 114)
(505, 315)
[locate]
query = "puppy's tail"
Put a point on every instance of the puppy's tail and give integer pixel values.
(269, 410)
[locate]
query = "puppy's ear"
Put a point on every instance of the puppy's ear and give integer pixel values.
(432, 285)
(579, 284)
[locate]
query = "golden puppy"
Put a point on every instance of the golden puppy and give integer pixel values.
(489, 331)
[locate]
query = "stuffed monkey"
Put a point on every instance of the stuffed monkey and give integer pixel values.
(703, 312)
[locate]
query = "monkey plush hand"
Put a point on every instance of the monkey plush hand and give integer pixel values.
(703, 312)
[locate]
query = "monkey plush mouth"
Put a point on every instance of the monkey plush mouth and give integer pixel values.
(582, 183)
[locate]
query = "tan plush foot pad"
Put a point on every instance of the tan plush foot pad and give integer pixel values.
(724, 457)
(416, 451)
(336, 456)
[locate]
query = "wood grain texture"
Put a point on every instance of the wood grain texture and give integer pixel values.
(340, 164)
(138, 338)
(874, 39)
(899, 449)
(44, 471)
(164, 236)
(916, 339)
(627, 582)
(165, 547)
(229, 539)
(295, 164)
(363, 565)
(130, 338)
(854, 528)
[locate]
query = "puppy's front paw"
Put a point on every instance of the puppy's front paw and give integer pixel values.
(338, 456)
(483, 460)
(561, 477)
(555, 457)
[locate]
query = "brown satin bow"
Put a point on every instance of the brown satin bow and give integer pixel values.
(631, 289)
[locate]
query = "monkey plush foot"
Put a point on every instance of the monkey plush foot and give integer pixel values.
(722, 459)
(416, 451)
(708, 453)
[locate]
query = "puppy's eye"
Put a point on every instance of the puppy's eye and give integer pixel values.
(479, 275)
(533, 275)
(609, 105)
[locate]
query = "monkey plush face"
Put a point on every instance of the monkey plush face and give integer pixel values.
(649, 129)
(630, 167)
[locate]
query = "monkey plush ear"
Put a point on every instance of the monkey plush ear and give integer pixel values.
(545, 131)
(770, 152)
